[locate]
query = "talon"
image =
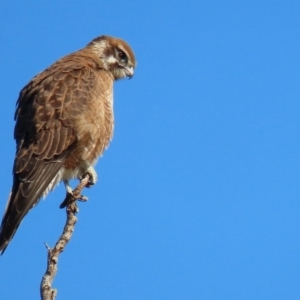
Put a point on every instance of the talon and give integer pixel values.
(92, 174)
(82, 198)
(69, 199)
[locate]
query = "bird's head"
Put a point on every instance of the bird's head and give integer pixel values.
(115, 55)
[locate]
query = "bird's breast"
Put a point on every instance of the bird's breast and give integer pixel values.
(93, 127)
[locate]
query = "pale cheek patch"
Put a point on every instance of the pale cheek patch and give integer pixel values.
(111, 60)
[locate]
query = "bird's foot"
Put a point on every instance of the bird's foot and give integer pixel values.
(92, 176)
(71, 198)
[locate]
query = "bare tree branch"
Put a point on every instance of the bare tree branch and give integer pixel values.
(47, 292)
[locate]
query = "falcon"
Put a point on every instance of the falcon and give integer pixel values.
(64, 121)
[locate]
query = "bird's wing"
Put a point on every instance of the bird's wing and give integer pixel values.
(45, 136)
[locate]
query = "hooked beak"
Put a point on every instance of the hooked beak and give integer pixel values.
(129, 72)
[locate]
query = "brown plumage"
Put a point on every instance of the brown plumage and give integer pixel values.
(64, 121)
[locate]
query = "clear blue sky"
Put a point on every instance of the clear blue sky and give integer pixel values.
(199, 193)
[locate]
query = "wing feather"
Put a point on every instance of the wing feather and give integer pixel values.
(44, 137)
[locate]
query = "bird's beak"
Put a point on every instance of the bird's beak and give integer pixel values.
(129, 72)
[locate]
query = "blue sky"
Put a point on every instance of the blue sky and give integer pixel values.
(198, 194)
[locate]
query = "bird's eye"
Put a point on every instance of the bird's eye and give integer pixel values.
(122, 56)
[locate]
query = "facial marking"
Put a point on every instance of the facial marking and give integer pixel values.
(111, 60)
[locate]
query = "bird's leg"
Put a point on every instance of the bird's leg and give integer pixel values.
(70, 196)
(68, 187)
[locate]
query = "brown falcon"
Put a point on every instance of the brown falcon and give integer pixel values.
(64, 121)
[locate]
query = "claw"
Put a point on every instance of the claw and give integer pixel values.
(92, 174)
(70, 197)
(82, 198)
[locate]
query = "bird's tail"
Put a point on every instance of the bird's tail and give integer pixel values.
(24, 195)
(10, 222)
(4, 239)
(15, 211)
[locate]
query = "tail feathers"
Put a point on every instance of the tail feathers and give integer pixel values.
(11, 220)
(23, 197)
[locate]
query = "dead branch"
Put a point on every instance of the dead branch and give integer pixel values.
(46, 291)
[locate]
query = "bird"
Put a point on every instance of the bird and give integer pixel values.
(64, 121)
